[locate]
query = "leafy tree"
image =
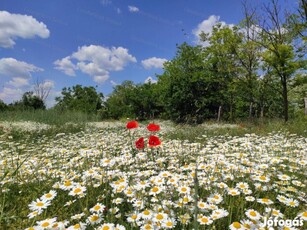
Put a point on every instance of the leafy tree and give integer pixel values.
(183, 88)
(223, 65)
(29, 101)
(3, 106)
(78, 98)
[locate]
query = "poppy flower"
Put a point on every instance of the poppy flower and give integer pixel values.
(132, 125)
(153, 127)
(140, 144)
(153, 141)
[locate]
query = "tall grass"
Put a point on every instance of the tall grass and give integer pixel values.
(51, 116)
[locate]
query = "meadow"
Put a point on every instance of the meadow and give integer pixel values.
(59, 174)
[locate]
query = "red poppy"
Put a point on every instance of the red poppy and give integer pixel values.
(154, 141)
(132, 125)
(153, 127)
(140, 144)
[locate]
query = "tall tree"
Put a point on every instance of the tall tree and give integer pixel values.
(279, 54)
(85, 99)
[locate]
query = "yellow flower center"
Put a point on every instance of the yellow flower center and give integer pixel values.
(77, 190)
(106, 228)
(252, 213)
(160, 217)
(146, 212)
(77, 226)
(94, 218)
(155, 189)
(67, 183)
(48, 195)
(237, 225)
(97, 207)
(45, 224)
(39, 204)
(204, 220)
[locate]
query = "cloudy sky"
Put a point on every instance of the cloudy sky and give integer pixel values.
(99, 43)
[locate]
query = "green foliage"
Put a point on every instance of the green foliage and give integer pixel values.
(78, 98)
(29, 101)
(134, 101)
(3, 106)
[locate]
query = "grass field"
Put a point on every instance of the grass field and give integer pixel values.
(89, 175)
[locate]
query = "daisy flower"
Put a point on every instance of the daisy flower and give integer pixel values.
(98, 208)
(250, 198)
(184, 190)
(79, 226)
(252, 214)
(233, 192)
(77, 191)
(303, 215)
(215, 199)
(50, 195)
(39, 205)
(159, 217)
(46, 223)
(242, 185)
(169, 223)
(263, 178)
(265, 201)
(94, 219)
(146, 214)
(35, 213)
(236, 226)
(292, 203)
(204, 220)
(155, 190)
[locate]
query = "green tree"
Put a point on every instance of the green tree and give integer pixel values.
(279, 57)
(3, 106)
(182, 86)
(29, 101)
(78, 98)
(221, 61)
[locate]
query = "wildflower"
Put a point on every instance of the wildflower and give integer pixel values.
(265, 201)
(292, 203)
(39, 205)
(252, 214)
(169, 223)
(79, 226)
(263, 178)
(146, 214)
(184, 190)
(50, 195)
(153, 127)
(242, 185)
(303, 215)
(219, 213)
(132, 125)
(140, 144)
(215, 199)
(98, 208)
(159, 217)
(204, 220)
(153, 141)
(46, 223)
(94, 219)
(155, 190)
(233, 192)
(35, 213)
(77, 191)
(236, 226)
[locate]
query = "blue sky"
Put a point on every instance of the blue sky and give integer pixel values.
(62, 43)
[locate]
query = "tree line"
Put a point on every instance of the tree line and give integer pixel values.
(251, 70)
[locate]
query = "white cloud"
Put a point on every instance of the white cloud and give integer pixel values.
(206, 26)
(153, 62)
(9, 95)
(14, 68)
(150, 79)
(133, 9)
(118, 11)
(18, 82)
(18, 25)
(96, 61)
(65, 65)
